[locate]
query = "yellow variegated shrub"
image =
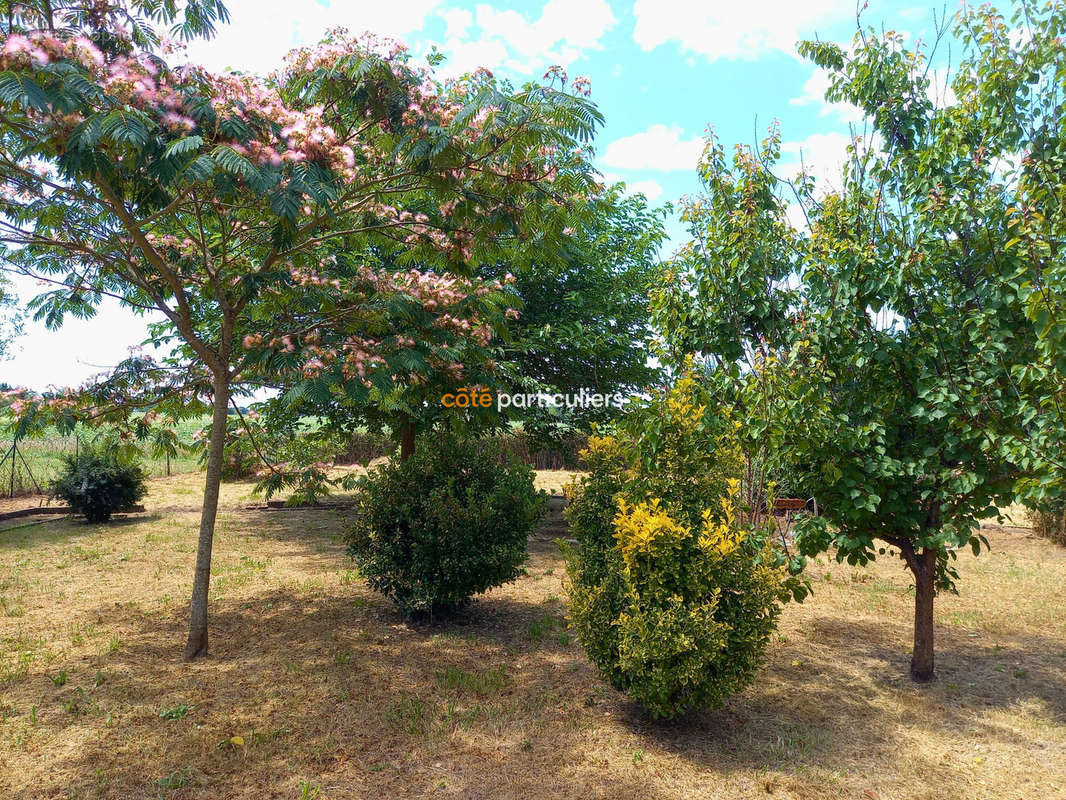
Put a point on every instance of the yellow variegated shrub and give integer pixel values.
(672, 597)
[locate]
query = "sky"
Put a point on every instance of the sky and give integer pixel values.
(662, 72)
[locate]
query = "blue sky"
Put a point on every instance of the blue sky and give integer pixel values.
(661, 72)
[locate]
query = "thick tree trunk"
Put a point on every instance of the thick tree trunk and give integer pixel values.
(197, 644)
(924, 592)
(407, 440)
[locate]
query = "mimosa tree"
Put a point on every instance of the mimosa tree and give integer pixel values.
(202, 199)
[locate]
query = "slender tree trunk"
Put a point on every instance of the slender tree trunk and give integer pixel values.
(407, 439)
(197, 644)
(924, 592)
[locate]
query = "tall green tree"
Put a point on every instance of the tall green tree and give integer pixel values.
(565, 307)
(584, 316)
(206, 198)
(1016, 88)
(10, 318)
(900, 312)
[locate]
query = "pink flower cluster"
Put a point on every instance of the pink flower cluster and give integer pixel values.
(21, 402)
(186, 246)
(40, 48)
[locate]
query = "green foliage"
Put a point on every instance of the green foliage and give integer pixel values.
(909, 410)
(446, 524)
(97, 484)
(1049, 522)
(906, 396)
(10, 319)
(175, 712)
(561, 343)
(686, 453)
(714, 298)
(673, 599)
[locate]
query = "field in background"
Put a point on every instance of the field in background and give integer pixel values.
(317, 685)
(41, 458)
(44, 457)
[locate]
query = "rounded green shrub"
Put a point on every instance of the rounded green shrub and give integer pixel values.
(96, 484)
(674, 600)
(448, 523)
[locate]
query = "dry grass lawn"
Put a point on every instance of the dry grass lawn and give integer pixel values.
(317, 688)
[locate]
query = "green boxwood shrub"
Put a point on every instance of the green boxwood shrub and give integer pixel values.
(675, 599)
(96, 484)
(450, 522)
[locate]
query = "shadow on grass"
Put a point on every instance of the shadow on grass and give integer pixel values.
(842, 701)
(31, 532)
(335, 687)
(327, 683)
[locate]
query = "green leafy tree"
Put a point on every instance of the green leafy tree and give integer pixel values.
(897, 398)
(214, 200)
(10, 319)
(1014, 87)
(724, 304)
(571, 315)
(584, 319)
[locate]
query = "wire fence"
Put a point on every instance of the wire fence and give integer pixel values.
(30, 465)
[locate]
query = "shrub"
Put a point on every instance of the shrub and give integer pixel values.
(675, 599)
(97, 484)
(446, 524)
(1049, 523)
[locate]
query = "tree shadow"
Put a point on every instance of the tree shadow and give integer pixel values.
(846, 700)
(328, 683)
(53, 530)
(314, 684)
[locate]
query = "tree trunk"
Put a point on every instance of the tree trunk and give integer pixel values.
(197, 644)
(924, 592)
(407, 439)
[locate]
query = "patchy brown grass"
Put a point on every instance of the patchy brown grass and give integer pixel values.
(327, 689)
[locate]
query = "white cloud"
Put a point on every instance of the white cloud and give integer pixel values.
(261, 32)
(659, 148)
(467, 56)
(458, 21)
(559, 35)
(730, 30)
(651, 189)
(573, 23)
(823, 155)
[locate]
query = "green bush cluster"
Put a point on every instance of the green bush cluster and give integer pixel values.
(96, 484)
(672, 596)
(1049, 523)
(448, 523)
